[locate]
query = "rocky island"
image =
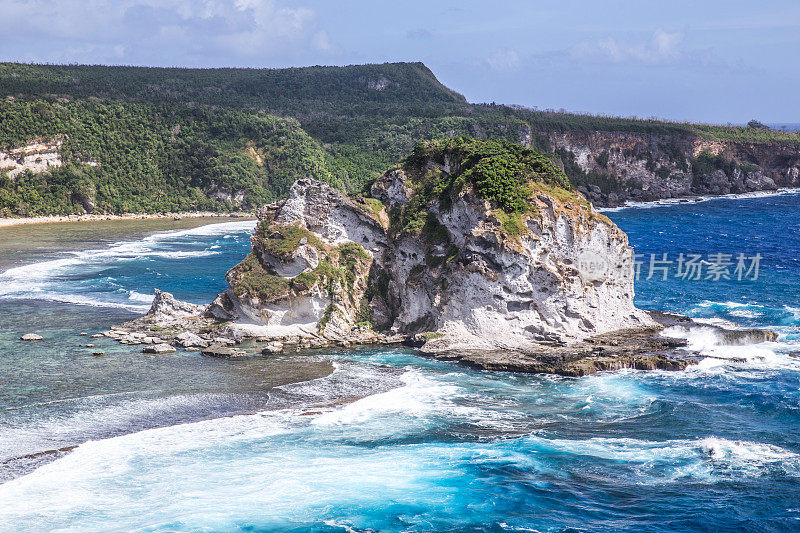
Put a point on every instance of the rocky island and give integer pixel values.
(476, 251)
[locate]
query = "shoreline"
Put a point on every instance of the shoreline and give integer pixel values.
(9, 222)
(664, 202)
(691, 200)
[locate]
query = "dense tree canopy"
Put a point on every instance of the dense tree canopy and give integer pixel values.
(177, 139)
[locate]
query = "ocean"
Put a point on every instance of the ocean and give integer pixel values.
(385, 439)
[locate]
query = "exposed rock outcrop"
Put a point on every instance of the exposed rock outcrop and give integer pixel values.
(470, 251)
(38, 156)
(615, 167)
(453, 265)
(640, 349)
(167, 309)
(169, 321)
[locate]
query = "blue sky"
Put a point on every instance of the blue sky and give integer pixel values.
(702, 60)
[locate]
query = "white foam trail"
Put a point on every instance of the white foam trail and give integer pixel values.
(708, 343)
(139, 297)
(418, 399)
(690, 200)
(91, 417)
(286, 466)
(222, 228)
(44, 280)
(709, 459)
(728, 305)
(745, 454)
(794, 311)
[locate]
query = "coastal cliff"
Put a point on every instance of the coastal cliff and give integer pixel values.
(115, 140)
(467, 244)
(473, 251)
(613, 167)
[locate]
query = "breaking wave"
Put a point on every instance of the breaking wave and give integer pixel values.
(688, 200)
(98, 277)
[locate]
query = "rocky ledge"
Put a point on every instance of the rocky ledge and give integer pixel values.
(172, 324)
(645, 348)
(472, 251)
(479, 245)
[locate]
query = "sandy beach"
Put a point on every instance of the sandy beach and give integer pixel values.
(4, 222)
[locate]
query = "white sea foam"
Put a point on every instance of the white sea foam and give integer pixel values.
(419, 400)
(352, 441)
(223, 228)
(708, 459)
(139, 297)
(698, 199)
(794, 311)
(295, 459)
(91, 417)
(718, 356)
(289, 466)
(69, 279)
(729, 305)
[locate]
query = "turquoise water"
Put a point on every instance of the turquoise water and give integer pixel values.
(386, 440)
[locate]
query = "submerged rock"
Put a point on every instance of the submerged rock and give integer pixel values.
(190, 340)
(159, 349)
(218, 350)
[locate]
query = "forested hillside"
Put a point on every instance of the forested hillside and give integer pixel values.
(153, 139)
(136, 157)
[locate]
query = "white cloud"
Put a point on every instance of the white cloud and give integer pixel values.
(662, 47)
(322, 42)
(504, 61)
(203, 32)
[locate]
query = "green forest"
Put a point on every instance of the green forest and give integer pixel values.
(141, 139)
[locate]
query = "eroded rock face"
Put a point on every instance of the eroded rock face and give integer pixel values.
(307, 273)
(568, 276)
(167, 309)
(324, 264)
(653, 166)
(38, 156)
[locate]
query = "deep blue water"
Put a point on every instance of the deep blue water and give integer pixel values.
(391, 441)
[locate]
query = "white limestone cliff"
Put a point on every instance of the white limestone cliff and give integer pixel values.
(324, 264)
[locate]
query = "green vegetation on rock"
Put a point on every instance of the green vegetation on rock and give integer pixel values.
(282, 240)
(504, 173)
(253, 280)
(338, 269)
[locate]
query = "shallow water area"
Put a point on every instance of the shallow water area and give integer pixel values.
(387, 440)
(55, 393)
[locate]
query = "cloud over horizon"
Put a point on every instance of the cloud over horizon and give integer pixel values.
(162, 32)
(661, 47)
